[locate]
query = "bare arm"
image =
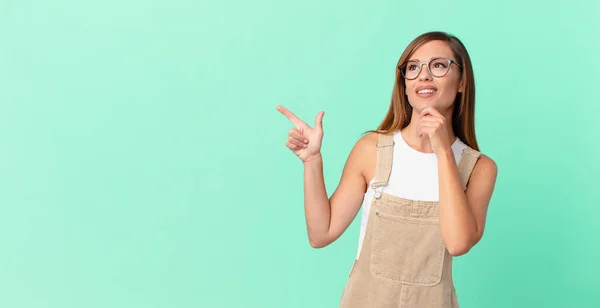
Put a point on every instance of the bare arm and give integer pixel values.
(327, 218)
(463, 214)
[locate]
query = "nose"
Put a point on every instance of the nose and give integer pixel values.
(424, 73)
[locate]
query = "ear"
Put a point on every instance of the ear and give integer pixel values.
(461, 86)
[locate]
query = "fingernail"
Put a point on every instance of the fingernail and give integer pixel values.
(306, 141)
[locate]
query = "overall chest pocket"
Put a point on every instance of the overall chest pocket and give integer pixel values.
(406, 249)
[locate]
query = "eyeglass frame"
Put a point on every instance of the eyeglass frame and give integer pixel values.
(450, 61)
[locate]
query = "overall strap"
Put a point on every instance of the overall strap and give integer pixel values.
(385, 150)
(467, 164)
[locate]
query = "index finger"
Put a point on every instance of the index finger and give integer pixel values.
(431, 111)
(291, 116)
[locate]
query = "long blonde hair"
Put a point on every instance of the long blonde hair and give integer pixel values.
(463, 121)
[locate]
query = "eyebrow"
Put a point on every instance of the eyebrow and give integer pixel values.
(429, 59)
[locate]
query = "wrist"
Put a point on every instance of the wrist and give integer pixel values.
(446, 154)
(315, 158)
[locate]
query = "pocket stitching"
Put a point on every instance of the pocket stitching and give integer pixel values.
(437, 276)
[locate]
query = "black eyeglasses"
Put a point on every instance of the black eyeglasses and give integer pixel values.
(438, 67)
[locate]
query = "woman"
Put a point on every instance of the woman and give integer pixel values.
(423, 185)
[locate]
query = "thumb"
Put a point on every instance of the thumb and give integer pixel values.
(319, 121)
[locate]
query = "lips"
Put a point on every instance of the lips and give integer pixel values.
(426, 90)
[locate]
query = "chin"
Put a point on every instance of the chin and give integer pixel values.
(420, 103)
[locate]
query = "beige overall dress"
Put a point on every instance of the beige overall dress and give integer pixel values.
(403, 262)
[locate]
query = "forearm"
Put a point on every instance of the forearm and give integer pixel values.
(316, 203)
(457, 222)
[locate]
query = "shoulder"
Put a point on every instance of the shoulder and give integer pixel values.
(368, 141)
(485, 169)
(486, 163)
(366, 145)
(364, 154)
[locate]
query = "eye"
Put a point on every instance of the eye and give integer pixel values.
(411, 67)
(439, 65)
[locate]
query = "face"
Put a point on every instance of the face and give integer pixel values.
(427, 89)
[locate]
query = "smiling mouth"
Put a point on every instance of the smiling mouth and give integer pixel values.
(426, 91)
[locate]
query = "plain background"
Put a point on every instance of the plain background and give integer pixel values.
(143, 161)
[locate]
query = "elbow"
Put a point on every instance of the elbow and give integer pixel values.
(461, 248)
(462, 245)
(458, 250)
(317, 243)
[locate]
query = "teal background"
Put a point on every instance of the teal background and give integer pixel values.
(143, 162)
